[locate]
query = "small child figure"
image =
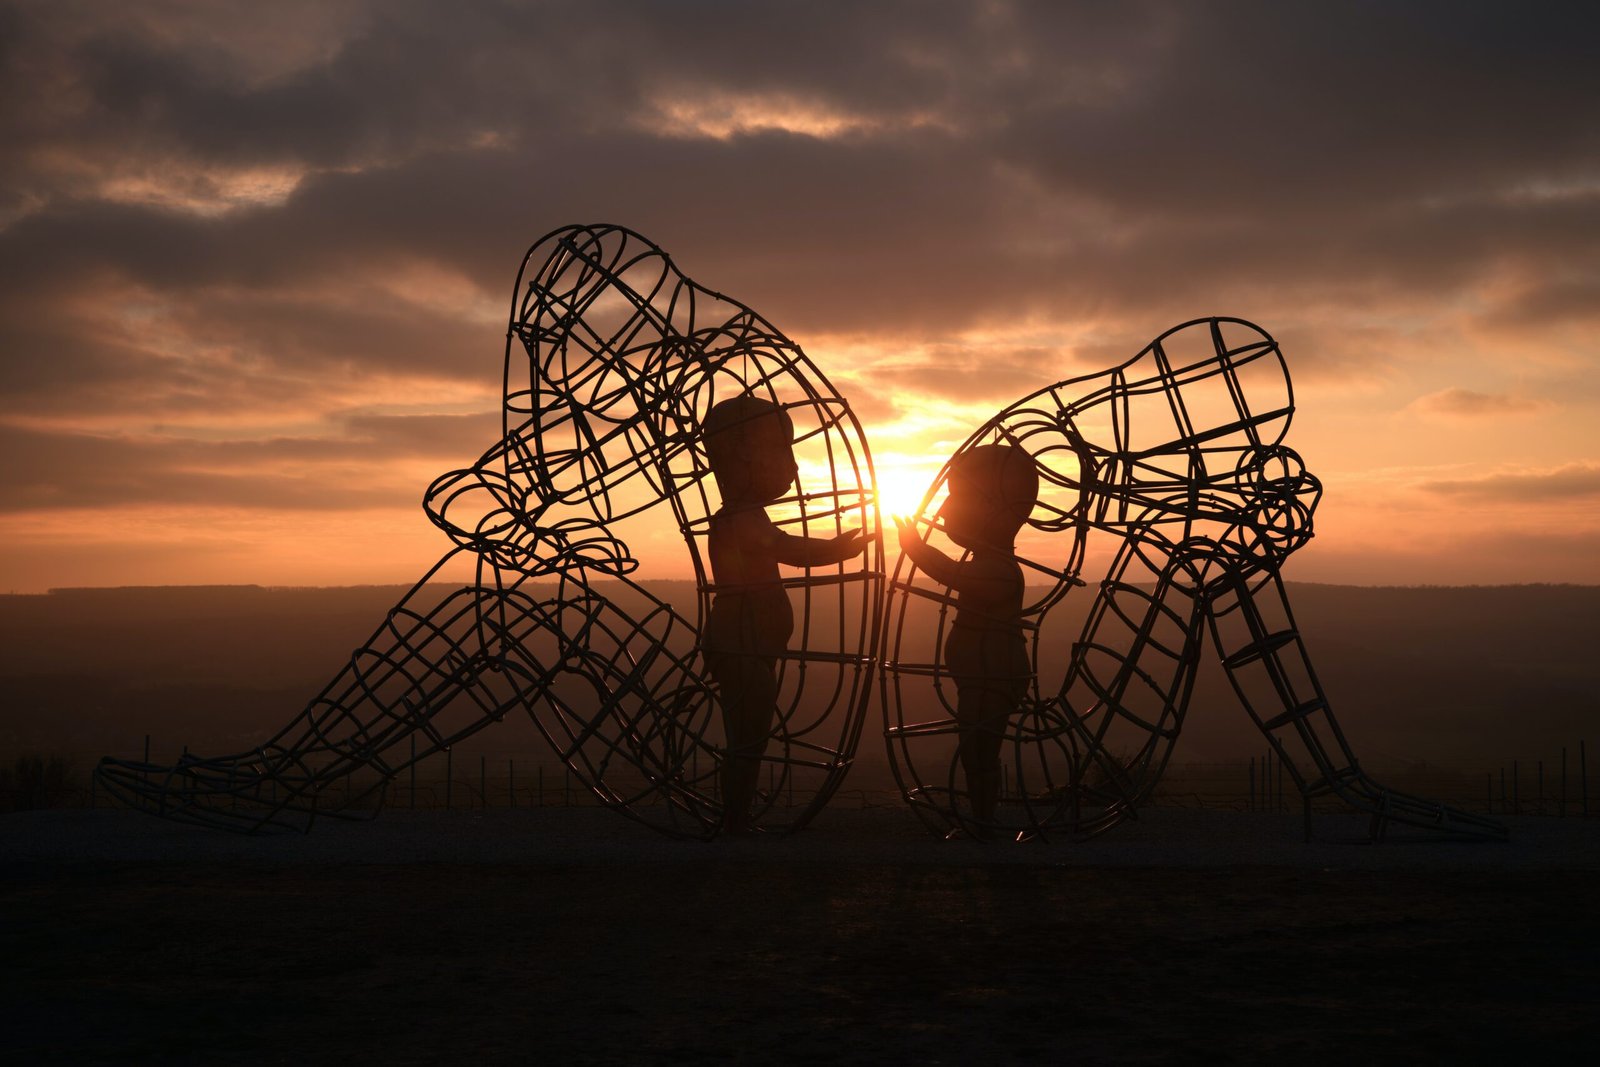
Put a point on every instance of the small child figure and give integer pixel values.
(750, 444)
(992, 490)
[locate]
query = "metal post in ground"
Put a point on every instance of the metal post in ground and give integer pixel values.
(1277, 778)
(413, 772)
(1516, 788)
(511, 782)
(1252, 783)
(483, 780)
(541, 785)
(1563, 808)
(449, 776)
(1539, 810)
(1583, 773)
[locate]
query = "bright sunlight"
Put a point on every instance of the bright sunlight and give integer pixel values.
(902, 482)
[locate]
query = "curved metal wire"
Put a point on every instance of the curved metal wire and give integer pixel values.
(613, 359)
(1179, 454)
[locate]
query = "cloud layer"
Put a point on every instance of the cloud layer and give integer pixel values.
(229, 235)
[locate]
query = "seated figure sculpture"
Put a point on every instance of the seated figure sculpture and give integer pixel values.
(1178, 455)
(614, 360)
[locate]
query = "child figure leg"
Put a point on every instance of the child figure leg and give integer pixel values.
(991, 676)
(749, 687)
(981, 719)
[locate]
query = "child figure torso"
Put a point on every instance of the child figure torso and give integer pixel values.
(750, 611)
(985, 646)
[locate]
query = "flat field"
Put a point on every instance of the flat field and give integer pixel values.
(575, 936)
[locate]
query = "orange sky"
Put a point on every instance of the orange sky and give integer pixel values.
(255, 266)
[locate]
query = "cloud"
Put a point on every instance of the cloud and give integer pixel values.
(970, 375)
(1575, 481)
(215, 211)
(1468, 403)
(1552, 299)
(364, 461)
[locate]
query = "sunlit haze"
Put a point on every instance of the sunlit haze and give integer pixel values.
(257, 259)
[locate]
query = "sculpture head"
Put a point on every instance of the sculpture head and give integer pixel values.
(750, 446)
(993, 488)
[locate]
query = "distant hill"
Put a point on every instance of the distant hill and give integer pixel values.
(1414, 673)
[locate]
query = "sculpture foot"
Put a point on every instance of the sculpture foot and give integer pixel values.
(234, 793)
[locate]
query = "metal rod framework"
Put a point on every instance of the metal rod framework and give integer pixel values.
(1177, 459)
(613, 358)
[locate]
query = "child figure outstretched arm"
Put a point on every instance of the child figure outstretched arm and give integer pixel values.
(992, 488)
(750, 445)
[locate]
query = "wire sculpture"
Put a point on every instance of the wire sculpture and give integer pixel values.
(613, 360)
(1179, 454)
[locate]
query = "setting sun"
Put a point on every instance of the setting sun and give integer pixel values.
(902, 483)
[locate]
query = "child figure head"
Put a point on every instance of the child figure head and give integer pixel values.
(750, 445)
(992, 490)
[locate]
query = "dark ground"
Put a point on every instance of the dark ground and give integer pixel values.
(572, 936)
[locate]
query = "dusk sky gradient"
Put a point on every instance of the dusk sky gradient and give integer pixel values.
(256, 259)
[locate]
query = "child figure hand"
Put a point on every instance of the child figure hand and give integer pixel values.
(909, 538)
(852, 542)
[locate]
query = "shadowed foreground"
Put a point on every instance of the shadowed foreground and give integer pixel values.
(861, 940)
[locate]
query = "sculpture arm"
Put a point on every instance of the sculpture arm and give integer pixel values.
(819, 551)
(938, 566)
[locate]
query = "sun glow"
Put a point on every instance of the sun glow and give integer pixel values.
(903, 481)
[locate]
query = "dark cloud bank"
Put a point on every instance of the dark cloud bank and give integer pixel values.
(206, 209)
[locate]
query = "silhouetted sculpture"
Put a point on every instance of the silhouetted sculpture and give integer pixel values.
(750, 444)
(1178, 454)
(993, 488)
(614, 361)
